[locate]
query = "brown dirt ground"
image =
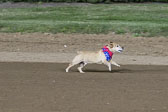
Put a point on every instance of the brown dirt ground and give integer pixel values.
(45, 87)
(54, 43)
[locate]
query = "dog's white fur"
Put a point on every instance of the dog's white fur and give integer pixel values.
(85, 57)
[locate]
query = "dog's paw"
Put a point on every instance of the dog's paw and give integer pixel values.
(66, 70)
(118, 65)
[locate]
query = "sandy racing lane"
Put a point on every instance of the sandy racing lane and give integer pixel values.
(45, 87)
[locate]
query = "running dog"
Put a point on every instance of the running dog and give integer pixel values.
(102, 56)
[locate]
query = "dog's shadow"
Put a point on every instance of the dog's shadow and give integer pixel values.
(106, 71)
(94, 68)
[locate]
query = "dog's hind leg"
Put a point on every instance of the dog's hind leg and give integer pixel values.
(70, 65)
(82, 64)
(75, 61)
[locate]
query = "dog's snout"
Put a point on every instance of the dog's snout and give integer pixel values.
(122, 48)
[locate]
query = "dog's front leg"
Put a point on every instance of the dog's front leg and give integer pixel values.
(108, 64)
(114, 63)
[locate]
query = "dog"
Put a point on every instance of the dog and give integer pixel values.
(103, 56)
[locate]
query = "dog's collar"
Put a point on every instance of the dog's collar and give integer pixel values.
(108, 54)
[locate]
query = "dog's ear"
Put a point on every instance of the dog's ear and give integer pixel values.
(111, 45)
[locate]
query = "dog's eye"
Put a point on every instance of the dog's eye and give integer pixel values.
(117, 45)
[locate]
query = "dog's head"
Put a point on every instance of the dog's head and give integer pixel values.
(114, 47)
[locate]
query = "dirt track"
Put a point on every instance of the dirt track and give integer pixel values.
(45, 87)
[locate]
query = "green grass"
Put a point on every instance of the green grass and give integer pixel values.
(139, 19)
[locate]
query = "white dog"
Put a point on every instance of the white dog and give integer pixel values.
(102, 56)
